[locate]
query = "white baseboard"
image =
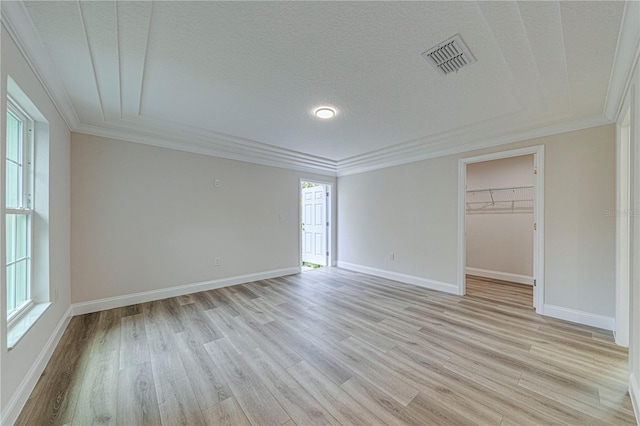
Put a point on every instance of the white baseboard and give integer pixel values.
(580, 317)
(396, 276)
(22, 393)
(148, 296)
(634, 392)
(621, 340)
(503, 276)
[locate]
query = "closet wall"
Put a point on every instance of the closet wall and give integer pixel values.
(500, 222)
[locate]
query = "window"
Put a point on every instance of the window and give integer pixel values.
(26, 212)
(19, 210)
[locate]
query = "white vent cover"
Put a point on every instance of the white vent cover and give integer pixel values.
(449, 56)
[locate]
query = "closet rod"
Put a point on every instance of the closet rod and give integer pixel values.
(500, 189)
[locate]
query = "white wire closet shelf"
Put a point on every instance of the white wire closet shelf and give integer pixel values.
(516, 199)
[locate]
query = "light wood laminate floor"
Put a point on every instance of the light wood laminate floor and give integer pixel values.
(504, 292)
(330, 347)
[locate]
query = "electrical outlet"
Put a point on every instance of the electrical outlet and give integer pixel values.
(392, 255)
(216, 261)
(217, 183)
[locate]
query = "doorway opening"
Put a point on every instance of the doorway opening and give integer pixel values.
(501, 228)
(499, 224)
(315, 225)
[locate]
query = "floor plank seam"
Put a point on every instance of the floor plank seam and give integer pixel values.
(328, 347)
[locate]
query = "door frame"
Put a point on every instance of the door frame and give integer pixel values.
(623, 215)
(538, 217)
(329, 241)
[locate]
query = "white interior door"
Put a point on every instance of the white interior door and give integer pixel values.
(314, 225)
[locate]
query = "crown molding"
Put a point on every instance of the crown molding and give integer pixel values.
(232, 150)
(16, 20)
(452, 144)
(18, 23)
(625, 60)
(254, 152)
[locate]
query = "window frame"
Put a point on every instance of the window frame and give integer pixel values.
(26, 201)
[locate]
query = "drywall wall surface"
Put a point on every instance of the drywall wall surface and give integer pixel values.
(500, 241)
(502, 244)
(505, 172)
(633, 99)
(412, 210)
(16, 364)
(579, 232)
(146, 218)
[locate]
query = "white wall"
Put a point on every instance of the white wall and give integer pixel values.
(634, 313)
(19, 366)
(412, 210)
(633, 99)
(499, 244)
(147, 218)
(505, 172)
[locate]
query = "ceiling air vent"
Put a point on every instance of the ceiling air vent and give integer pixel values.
(449, 56)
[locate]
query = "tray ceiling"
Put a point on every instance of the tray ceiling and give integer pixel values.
(244, 77)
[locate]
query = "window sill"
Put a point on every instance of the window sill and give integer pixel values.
(19, 328)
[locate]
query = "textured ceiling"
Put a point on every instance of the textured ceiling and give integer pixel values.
(246, 74)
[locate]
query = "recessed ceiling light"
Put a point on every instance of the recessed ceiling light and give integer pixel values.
(325, 113)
